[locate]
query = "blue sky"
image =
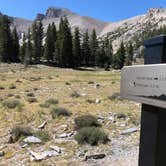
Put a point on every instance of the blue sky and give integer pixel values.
(107, 10)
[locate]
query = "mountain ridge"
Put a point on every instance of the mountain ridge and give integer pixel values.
(122, 30)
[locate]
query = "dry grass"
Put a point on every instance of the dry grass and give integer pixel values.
(32, 115)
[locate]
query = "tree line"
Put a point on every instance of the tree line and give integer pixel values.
(62, 47)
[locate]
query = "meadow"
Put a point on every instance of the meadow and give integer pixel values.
(24, 96)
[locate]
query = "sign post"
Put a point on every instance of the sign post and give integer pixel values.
(147, 84)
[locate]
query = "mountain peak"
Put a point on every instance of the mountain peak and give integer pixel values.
(55, 12)
(156, 11)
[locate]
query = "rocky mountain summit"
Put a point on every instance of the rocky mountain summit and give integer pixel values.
(123, 30)
(53, 14)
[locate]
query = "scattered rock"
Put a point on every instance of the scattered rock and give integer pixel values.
(83, 94)
(43, 155)
(96, 156)
(64, 135)
(122, 125)
(2, 153)
(71, 134)
(3, 147)
(121, 116)
(24, 145)
(130, 130)
(11, 140)
(64, 127)
(42, 125)
(97, 86)
(112, 119)
(56, 148)
(101, 117)
(32, 139)
(80, 154)
(98, 101)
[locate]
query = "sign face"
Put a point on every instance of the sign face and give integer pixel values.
(145, 84)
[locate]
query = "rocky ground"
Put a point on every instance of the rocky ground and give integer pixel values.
(80, 92)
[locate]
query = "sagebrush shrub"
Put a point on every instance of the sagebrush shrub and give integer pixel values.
(2, 88)
(11, 104)
(91, 135)
(18, 132)
(56, 112)
(31, 99)
(86, 121)
(49, 102)
(75, 94)
(114, 96)
(12, 86)
(52, 101)
(43, 135)
(30, 94)
(22, 132)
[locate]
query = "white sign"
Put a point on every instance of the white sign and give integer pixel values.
(145, 84)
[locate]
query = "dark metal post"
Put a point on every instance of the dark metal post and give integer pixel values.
(153, 119)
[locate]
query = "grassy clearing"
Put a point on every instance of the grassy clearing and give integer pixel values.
(42, 88)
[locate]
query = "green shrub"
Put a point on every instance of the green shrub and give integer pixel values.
(32, 100)
(67, 83)
(17, 96)
(18, 132)
(50, 77)
(2, 88)
(34, 78)
(49, 102)
(10, 95)
(75, 94)
(91, 135)
(86, 121)
(91, 82)
(11, 104)
(18, 81)
(56, 112)
(12, 86)
(113, 82)
(44, 105)
(114, 96)
(22, 132)
(43, 135)
(90, 101)
(35, 89)
(52, 101)
(30, 94)
(121, 116)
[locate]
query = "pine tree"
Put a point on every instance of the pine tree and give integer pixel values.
(129, 57)
(101, 58)
(58, 44)
(28, 51)
(76, 48)
(5, 40)
(22, 49)
(54, 39)
(64, 44)
(109, 51)
(85, 49)
(37, 37)
(49, 50)
(51, 37)
(15, 46)
(93, 48)
(119, 59)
